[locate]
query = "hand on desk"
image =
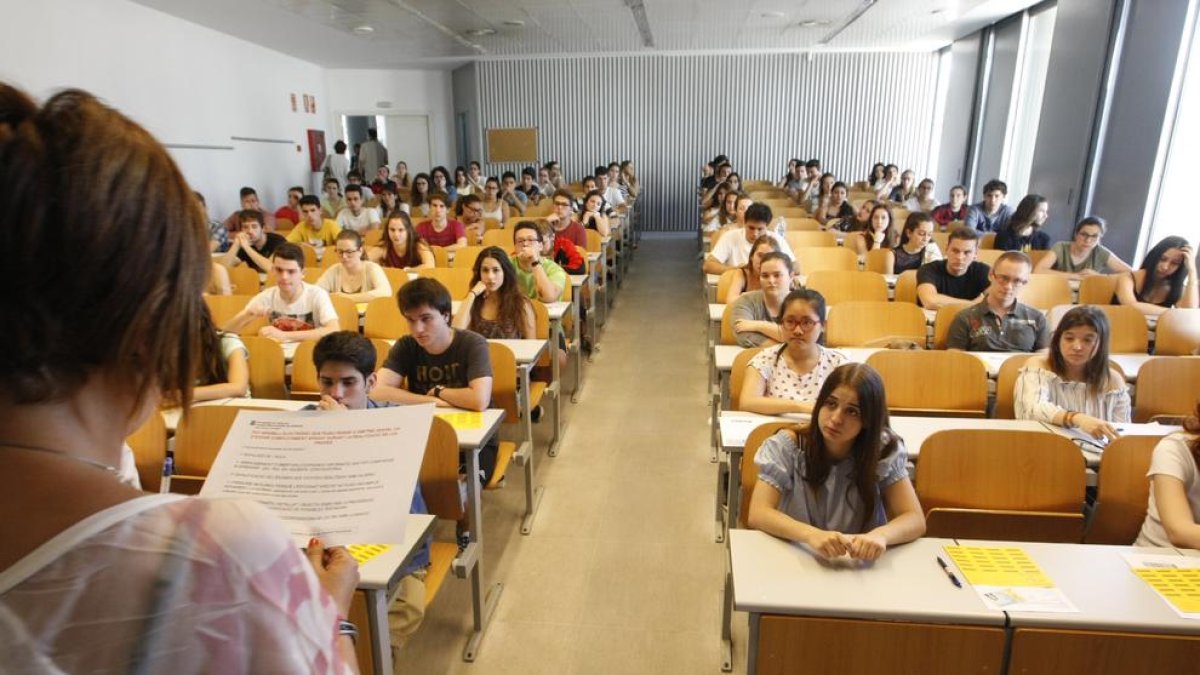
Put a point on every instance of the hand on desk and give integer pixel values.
(1096, 428)
(868, 546)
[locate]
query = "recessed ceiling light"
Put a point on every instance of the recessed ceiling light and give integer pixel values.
(363, 30)
(772, 15)
(481, 32)
(514, 23)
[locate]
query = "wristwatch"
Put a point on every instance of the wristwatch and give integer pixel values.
(437, 391)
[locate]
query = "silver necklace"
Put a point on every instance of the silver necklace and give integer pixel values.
(33, 448)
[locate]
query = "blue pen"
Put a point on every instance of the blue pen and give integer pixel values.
(946, 568)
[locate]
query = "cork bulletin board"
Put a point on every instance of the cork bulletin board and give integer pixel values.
(512, 145)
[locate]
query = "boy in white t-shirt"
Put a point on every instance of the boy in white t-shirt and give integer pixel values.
(294, 310)
(732, 250)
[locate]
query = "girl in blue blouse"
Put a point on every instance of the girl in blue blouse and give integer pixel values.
(839, 484)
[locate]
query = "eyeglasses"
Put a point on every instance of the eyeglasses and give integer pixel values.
(1006, 280)
(562, 203)
(805, 323)
(525, 241)
(1089, 237)
(474, 209)
(347, 251)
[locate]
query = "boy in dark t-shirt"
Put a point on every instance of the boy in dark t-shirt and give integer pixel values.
(958, 278)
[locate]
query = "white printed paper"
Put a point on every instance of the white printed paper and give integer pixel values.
(1025, 599)
(346, 477)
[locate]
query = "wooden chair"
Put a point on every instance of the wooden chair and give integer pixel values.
(284, 225)
(1177, 332)
(802, 224)
(305, 386)
(1097, 289)
(149, 445)
(504, 396)
(1128, 333)
(1167, 385)
(373, 237)
(738, 375)
(457, 281)
(347, 312)
(224, 307)
(859, 323)
(243, 280)
(439, 487)
(728, 337)
(465, 257)
(906, 287)
(749, 468)
(989, 256)
(1006, 383)
(396, 278)
(384, 321)
(839, 286)
(1045, 291)
(502, 238)
(1036, 256)
(1002, 484)
(198, 439)
(310, 255)
(804, 239)
(441, 257)
(943, 320)
(878, 261)
(987, 240)
(942, 239)
(936, 383)
(724, 282)
(1123, 491)
(793, 211)
(267, 367)
(814, 259)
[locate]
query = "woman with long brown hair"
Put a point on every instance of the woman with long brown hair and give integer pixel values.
(401, 246)
(1173, 514)
(495, 307)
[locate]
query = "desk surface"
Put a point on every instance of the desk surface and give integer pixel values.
(772, 576)
(556, 310)
(379, 572)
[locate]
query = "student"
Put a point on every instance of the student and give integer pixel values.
(439, 181)
(612, 194)
(462, 186)
(916, 245)
(401, 246)
(562, 219)
(721, 212)
(591, 216)
(958, 278)
(835, 207)
(732, 250)
(861, 219)
(512, 194)
(332, 202)
(880, 233)
(906, 189)
(218, 234)
(419, 196)
(923, 200)
(440, 230)
(313, 229)
(382, 181)
(494, 205)
(529, 185)
(839, 484)
(538, 278)
(991, 214)
(891, 179)
(337, 166)
(1084, 255)
(877, 176)
(755, 315)
(1024, 229)
(741, 205)
(345, 363)
(999, 323)
(1073, 386)
(562, 250)
(469, 209)
(495, 307)
(224, 369)
(91, 567)
(748, 279)
(352, 277)
(1173, 514)
(788, 378)
(475, 177)
(295, 310)
(249, 200)
(823, 193)
(218, 282)
(401, 176)
(1166, 279)
(954, 210)
(391, 200)
(291, 210)
(251, 244)
(357, 215)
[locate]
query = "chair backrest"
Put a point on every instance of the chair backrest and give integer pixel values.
(382, 349)
(877, 261)
(310, 254)
(541, 330)
(304, 372)
(243, 280)
(504, 380)
(1128, 333)
(838, 286)
(728, 337)
(1097, 289)
(502, 238)
(943, 383)
(441, 257)
(1006, 382)
(267, 367)
(749, 468)
(149, 445)
(1046, 290)
(942, 239)
(396, 278)
(1036, 256)
(989, 255)
(492, 224)
(373, 237)
(225, 307)
(383, 320)
(858, 323)
(347, 312)
(439, 472)
(724, 282)
(906, 287)
(1001, 471)
(199, 437)
(802, 224)
(738, 375)
(806, 239)
(943, 319)
(1167, 385)
(465, 257)
(813, 259)
(1177, 332)
(987, 240)
(595, 242)
(457, 281)
(1123, 491)
(283, 225)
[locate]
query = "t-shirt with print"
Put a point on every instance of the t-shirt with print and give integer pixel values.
(366, 219)
(449, 235)
(784, 383)
(969, 286)
(273, 242)
(464, 360)
(311, 309)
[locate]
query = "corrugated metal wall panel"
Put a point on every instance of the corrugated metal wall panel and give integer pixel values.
(671, 114)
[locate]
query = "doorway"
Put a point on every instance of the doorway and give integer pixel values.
(406, 138)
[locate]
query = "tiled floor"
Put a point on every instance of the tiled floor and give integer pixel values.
(621, 573)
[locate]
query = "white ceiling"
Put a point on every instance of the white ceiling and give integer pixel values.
(438, 33)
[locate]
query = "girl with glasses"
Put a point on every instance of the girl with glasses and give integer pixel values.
(352, 277)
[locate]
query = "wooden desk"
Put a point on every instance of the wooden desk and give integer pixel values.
(898, 614)
(378, 578)
(527, 353)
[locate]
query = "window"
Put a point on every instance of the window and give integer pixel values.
(1029, 87)
(1172, 208)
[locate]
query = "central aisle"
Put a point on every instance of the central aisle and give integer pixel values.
(621, 573)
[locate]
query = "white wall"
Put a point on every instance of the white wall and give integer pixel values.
(409, 92)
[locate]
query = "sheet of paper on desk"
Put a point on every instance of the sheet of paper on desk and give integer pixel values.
(343, 476)
(1176, 579)
(1025, 599)
(1007, 579)
(463, 420)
